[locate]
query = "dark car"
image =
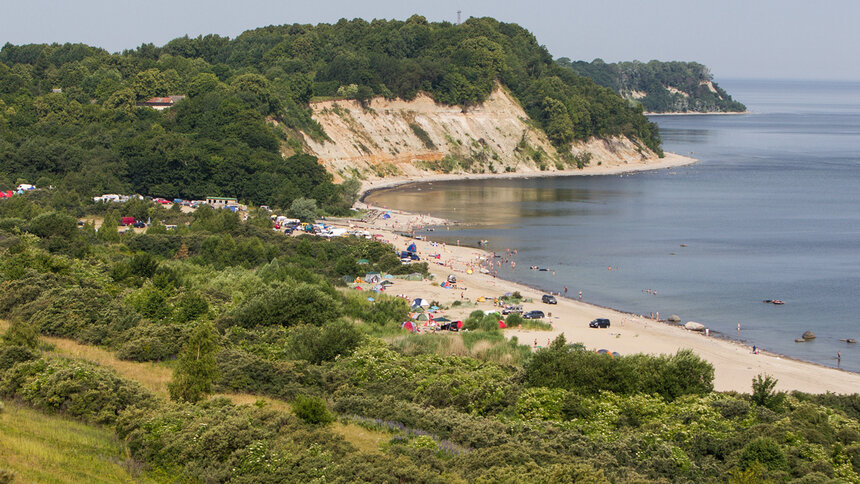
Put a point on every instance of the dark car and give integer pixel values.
(548, 299)
(533, 315)
(599, 323)
(139, 225)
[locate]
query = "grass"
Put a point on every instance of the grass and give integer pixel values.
(45, 448)
(153, 376)
(483, 345)
(156, 376)
(363, 439)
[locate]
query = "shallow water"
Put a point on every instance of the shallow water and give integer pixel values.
(772, 210)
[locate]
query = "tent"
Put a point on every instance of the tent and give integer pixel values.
(482, 299)
(418, 302)
(358, 288)
(370, 299)
(372, 277)
(408, 325)
(386, 216)
(362, 261)
(421, 317)
(442, 319)
(347, 279)
(502, 324)
(412, 248)
(386, 283)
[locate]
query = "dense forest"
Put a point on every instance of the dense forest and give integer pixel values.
(659, 87)
(234, 308)
(69, 115)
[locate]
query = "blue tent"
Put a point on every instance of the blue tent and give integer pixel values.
(412, 248)
(386, 216)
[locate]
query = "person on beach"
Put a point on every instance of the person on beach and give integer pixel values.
(580, 295)
(754, 350)
(565, 291)
(739, 327)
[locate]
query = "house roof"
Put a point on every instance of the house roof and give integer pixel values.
(219, 198)
(159, 100)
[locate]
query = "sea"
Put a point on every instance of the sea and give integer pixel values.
(770, 211)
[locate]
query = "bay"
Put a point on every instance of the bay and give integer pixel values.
(771, 211)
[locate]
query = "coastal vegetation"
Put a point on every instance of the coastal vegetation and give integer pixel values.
(659, 87)
(69, 114)
(279, 372)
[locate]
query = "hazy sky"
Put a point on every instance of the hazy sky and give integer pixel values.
(736, 38)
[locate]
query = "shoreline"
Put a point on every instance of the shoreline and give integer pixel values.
(733, 361)
(670, 160)
(696, 113)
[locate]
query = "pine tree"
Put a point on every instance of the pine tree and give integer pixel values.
(196, 368)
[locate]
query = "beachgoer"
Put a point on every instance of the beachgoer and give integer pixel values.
(580, 295)
(565, 291)
(739, 327)
(754, 350)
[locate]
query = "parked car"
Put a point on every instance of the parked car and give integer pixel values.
(599, 323)
(512, 310)
(548, 299)
(139, 224)
(533, 315)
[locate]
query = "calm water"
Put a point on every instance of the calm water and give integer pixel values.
(772, 210)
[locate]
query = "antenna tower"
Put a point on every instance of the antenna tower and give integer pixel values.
(458, 16)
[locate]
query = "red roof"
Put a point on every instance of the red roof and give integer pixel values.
(159, 100)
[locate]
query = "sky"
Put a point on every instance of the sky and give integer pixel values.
(784, 39)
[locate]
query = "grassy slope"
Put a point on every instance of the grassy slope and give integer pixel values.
(47, 448)
(156, 376)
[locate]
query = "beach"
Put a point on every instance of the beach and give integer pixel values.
(735, 364)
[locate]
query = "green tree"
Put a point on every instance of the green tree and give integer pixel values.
(108, 229)
(196, 369)
(304, 209)
(21, 334)
(312, 410)
(764, 392)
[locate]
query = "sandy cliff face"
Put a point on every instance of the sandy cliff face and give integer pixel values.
(411, 138)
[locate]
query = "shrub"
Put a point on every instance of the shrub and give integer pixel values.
(764, 394)
(10, 355)
(239, 371)
(765, 451)
(288, 306)
(318, 344)
(77, 388)
(312, 410)
(7, 476)
(151, 342)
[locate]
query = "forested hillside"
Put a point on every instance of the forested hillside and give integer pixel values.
(660, 87)
(68, 114)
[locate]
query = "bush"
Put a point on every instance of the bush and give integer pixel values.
(764, 394)
(288, 306)
(152, 342)
(240, 371)
(765, 451)
(10, 355)
(79, 389)
(312, 410)
(318, 344)
(7, 476)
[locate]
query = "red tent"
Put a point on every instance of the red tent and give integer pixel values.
(459, 325)
(502, 324)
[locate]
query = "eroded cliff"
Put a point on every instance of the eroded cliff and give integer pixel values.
(386, 138)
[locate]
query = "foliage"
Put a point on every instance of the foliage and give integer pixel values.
(571, 367)
(196, 369)
(652, 80)
(764, 394)
(325, 343)
(312, 410)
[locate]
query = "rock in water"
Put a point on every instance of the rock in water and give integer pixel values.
(807, 335)
(674, 318)
(799, 340)
(694, 326)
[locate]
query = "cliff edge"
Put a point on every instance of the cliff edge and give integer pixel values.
(398, 138)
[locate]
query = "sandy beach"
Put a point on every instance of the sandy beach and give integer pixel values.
(670, 160)
(735, 364)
